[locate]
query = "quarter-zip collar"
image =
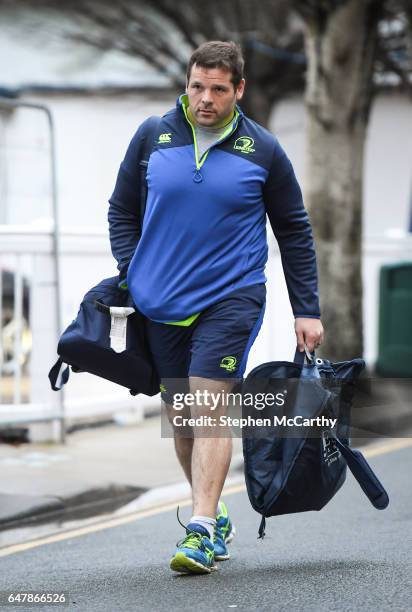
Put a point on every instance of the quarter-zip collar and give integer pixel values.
(182, 103)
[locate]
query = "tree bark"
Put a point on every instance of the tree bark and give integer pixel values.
(340, 48)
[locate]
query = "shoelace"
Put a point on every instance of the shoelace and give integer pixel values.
(193, 539)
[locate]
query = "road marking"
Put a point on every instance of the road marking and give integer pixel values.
(374, 451)
(386, 447)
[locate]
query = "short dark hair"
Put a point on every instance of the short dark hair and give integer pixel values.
(219, 54)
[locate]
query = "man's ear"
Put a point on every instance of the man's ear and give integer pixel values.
(240, 90)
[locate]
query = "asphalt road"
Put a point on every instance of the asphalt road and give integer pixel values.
(347, 557)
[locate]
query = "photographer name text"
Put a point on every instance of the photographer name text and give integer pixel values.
(249, 421)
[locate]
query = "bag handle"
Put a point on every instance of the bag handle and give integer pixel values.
(363, 473)
(101, 307)
(59, 374)
(302, 356)
(147, 144)
(152, 125)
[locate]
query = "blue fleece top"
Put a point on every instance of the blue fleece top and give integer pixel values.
(204, 230)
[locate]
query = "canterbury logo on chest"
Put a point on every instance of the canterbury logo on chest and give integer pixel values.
(165, 138)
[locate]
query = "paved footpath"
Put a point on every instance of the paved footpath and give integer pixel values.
(347, 557)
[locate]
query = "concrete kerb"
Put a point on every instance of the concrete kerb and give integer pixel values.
(29, 510)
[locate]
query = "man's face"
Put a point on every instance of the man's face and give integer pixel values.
(212, 96)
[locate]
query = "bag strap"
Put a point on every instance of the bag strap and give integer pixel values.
(101, 307)
(59, 375)
(362, 471)
(302, 356)
(148, 142)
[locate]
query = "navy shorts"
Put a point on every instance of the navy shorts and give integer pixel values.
(216, 345)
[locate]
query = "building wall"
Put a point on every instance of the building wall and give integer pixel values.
(92, 134)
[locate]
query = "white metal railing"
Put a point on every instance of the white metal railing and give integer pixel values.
(11, 340)
(85, 258)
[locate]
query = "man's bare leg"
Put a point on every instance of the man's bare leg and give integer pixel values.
(211, 456)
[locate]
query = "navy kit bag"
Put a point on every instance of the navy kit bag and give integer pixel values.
(302, 468)
(108, 337)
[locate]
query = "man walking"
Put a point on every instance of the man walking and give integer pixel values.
(196, 267)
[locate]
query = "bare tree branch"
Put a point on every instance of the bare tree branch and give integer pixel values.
(165, 32)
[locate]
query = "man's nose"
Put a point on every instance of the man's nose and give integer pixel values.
(207, 97)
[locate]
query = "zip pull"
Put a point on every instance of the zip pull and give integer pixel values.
(262, 528)
(197, 176)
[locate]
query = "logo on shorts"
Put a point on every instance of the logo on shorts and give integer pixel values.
(229, 363)
(162, 389)
(244, 144)
(166, 137)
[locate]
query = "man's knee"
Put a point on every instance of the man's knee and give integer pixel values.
(179, 426)
(212, 400)
(211, 395)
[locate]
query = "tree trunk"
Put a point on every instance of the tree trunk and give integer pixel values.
(340, 48)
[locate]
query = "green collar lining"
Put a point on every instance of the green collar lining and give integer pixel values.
(231, 128)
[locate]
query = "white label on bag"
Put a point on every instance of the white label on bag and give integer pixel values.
(118, 327)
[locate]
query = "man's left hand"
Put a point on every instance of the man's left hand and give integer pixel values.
(309, 332)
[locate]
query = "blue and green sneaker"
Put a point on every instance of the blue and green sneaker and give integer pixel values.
(224, 533)
(195, 553)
